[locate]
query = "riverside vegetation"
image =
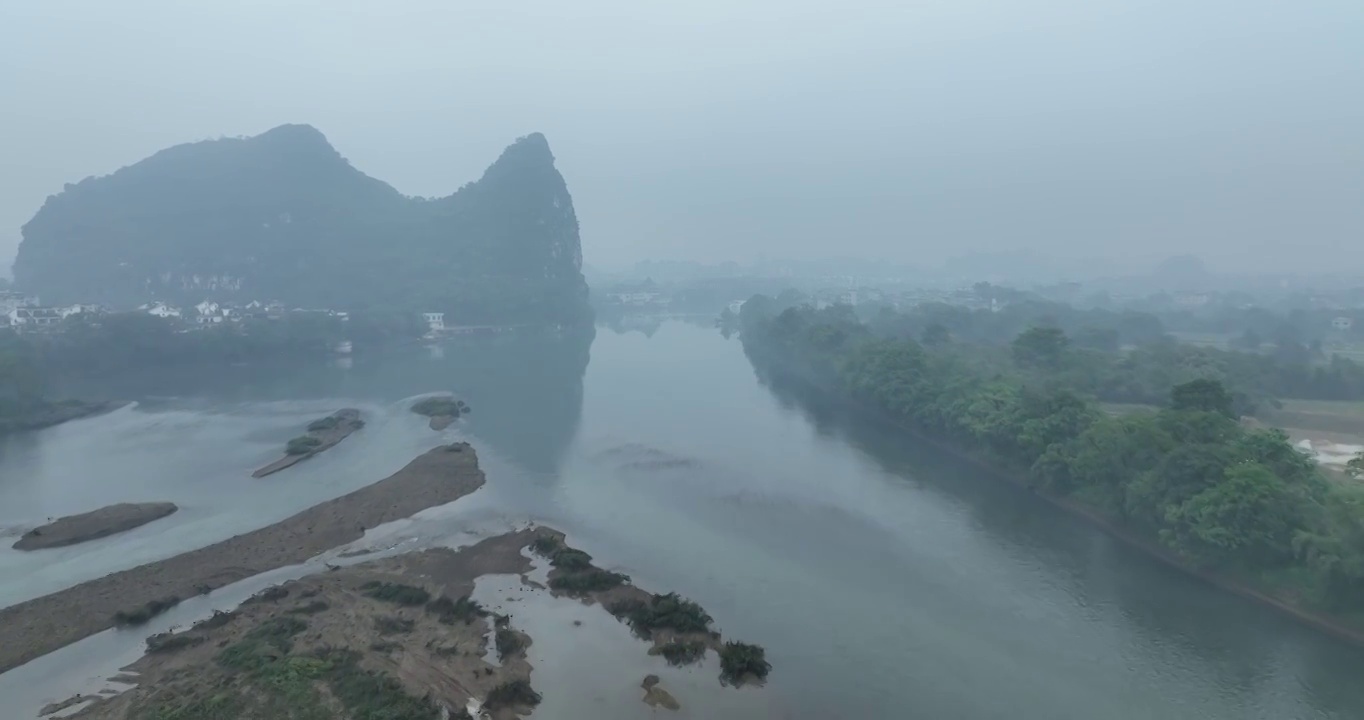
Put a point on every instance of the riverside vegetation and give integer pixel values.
(1222, 497)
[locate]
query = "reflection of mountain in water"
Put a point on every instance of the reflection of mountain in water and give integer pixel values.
(526, 391)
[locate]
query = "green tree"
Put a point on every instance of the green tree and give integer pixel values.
(1040, 347)
(1248, 517)
(1202, 394)
(936, 334)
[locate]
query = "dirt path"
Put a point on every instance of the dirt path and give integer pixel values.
(39, 626)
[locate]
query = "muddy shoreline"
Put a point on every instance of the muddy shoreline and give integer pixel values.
(93, 525)
(1328, 624)
(39, 626)
(60, 412)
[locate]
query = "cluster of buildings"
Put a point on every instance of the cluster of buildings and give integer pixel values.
(21, 312)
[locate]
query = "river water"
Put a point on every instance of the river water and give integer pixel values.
(884, 579)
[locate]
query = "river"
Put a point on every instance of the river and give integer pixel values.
(885, 579)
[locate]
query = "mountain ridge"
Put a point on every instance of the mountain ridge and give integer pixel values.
(284, 216)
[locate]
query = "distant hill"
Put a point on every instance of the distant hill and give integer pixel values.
(283, 216)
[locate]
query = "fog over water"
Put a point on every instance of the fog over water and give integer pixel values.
(884, 579)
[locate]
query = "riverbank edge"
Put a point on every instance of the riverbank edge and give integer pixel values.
(38, 626)
(1330, 624)
(63, 411)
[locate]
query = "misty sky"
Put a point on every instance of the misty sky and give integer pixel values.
(724, 129)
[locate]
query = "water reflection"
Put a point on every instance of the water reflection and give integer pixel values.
(526, 390)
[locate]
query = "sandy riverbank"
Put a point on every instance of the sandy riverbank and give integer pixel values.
(93, 525)
(43, 624)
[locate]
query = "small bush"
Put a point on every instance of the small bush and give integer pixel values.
(513, 693)
(682, 652)
(263, 645)
(141, 615)
(169, 642)
(739, 660)
(302, 445)
(384, 647)
(396, 593)
(508, 643)
(390, 625)
(586, 581)
(321, 424)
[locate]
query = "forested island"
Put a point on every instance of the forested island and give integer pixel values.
(283, 216)
(1186, 479)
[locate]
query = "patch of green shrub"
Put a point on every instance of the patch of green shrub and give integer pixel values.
(262, 645)
(370, 695)
(570, 559)
(302, 445)
(662, 612)
(396, 593)
(447, 611)
(740, 660)
(587, 581)
(508, 643)
(513, 693)
(682, 652)
(141, 615)
(546, 545)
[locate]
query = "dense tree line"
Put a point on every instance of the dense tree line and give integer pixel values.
(1187, 475)
(1125, 356)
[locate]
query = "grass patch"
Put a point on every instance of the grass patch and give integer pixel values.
(447, 611)
(740, 660)
(302, 445)
(513, 693)
(682, 652)
(587, 581)
(222, 706)
(311, 608)
(141, 615)
(396, 593)
(369, 695)
(438, 406)
(662, 612)
(170, 642)
(508, 642)
(263, 645)
(391, 625)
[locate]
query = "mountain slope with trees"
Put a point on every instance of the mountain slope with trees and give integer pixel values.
(283, 216)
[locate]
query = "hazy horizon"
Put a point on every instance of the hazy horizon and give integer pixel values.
(715, 132)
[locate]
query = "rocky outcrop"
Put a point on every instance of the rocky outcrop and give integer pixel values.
(93, 525)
